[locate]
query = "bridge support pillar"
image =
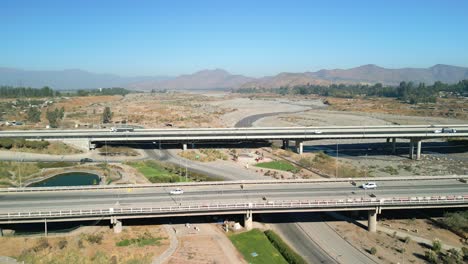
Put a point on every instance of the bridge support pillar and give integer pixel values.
(299, 147)
(116, 225)
(184, 146)
(418, 149)
(388, 140)
(248, 223)
(285, 144)
(45, 227)
(411, 149)
(1, 232)
(393, 145)
(372, 221)
(412, 155)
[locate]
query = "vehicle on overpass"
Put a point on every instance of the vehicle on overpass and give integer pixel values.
(369, 185)
(177, 191)
(122, 129)
(446, 130)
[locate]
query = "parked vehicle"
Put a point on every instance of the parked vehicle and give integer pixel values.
(84, 160)
(369, 185)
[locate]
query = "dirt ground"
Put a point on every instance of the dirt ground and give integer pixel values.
(392, 248)
(79, 247)
(425, 228)
(209, 245)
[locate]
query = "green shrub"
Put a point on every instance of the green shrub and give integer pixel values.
(62, 244)
(287, 252)
(94, 238)
(373, 251)
(453, 256)
(42, 244)
(6, 143)
(431, 257)
(436, 246)
(465, 253)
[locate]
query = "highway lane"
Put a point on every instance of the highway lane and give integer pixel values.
(208, 194)
(247, 133)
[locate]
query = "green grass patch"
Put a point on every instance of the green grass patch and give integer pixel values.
(57, 164)
(157, 172)
(278, 165)
(256, 241)
(203, 155)
(140, 242)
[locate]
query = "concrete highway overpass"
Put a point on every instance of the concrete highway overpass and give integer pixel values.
(114, 203)
(414, 133)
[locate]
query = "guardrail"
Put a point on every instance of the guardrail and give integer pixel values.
(225, 183)
(269, 205)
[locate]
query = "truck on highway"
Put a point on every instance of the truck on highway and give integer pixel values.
(122, 129)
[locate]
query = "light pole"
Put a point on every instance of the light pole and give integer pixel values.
(336, 164)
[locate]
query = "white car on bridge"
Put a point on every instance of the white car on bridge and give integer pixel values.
(369, 185)
(177, 191)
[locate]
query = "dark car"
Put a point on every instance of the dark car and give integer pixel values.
(84, 160)
(448, 130)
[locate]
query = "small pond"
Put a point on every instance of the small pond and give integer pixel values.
(69, 179)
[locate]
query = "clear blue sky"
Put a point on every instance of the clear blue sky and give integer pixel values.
(251, 37)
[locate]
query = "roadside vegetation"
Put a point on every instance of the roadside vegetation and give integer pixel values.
(158, 172)
(458, 222)
(89, 247)
(37, 146)
(256, 248)
(286, 251)
(117, 150)
(204, 155)
(145, 239)
(278, 165)
(328, 165)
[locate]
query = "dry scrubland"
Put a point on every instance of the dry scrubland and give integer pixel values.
(446, 108)
(402, 241)
(148, 110)
(136, 244)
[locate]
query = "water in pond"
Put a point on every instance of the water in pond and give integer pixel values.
(69, 179)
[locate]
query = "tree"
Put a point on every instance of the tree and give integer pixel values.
(34, 115)
(106, 115)
(52, 117)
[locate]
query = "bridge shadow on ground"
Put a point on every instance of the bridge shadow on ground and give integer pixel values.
(379, 149)
(196, 145)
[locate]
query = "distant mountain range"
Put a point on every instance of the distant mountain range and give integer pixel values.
(221, 79)
(68, 79)
(206, 79)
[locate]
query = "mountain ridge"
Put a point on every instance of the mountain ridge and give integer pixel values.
(73, 79)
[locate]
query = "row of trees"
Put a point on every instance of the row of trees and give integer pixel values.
(18, 92)
(103, 91)
(56, 115)
(406, 91)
